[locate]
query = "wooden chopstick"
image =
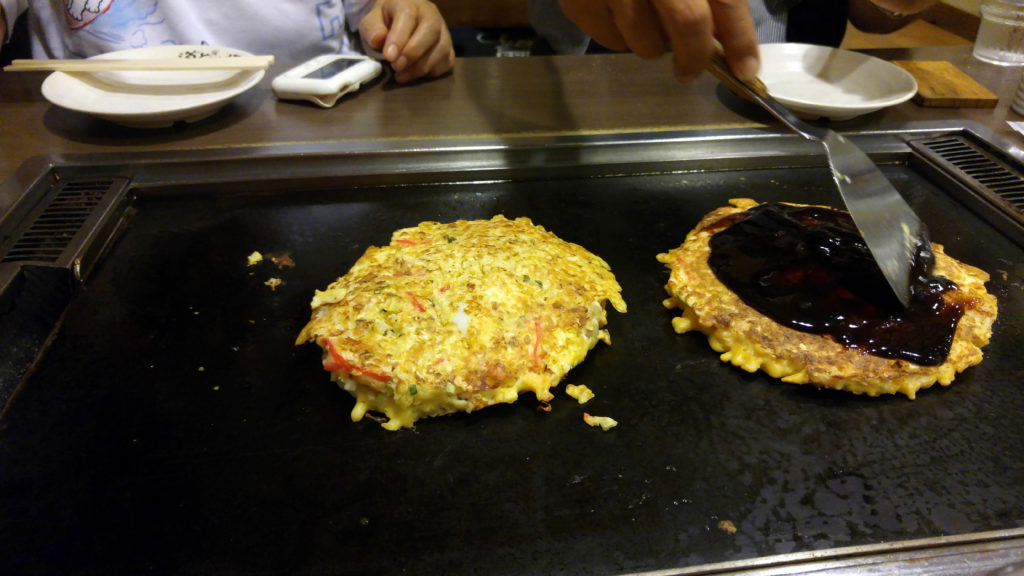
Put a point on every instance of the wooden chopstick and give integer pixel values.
(105, 65)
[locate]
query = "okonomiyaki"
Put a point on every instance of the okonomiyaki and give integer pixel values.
(793, 291)
(459, 316)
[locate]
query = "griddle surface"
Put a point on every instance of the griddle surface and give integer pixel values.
(173, 427)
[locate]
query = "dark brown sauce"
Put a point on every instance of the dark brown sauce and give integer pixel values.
(808, 268)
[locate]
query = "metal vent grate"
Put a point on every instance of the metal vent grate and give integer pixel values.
(56, 226)
(976, 165)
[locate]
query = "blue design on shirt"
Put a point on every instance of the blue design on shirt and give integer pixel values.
(332, 20)
(123, 23)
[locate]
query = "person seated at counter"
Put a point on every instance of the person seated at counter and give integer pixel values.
(410, 34)
(688, 28)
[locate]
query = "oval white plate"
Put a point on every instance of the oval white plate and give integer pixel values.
(820, 82)
(152, 99)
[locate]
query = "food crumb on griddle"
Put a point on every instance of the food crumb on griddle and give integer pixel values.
(727, 526)
(283, 261)
(254, 258)
(580, 392)
(274, 283)
(604, 422)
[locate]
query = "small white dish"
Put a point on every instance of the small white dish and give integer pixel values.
(818, 82)
(152, 99)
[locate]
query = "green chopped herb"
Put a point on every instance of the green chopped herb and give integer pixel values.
(413, 390)
(451, 239)
(526, 278)
(539, 283)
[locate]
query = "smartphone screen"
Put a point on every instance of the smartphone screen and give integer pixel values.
(334, 67)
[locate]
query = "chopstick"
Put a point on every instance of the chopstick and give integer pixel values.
(105, 65)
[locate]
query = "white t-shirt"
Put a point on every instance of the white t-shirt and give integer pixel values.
(291, 30)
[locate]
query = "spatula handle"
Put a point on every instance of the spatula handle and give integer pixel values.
(719, 67)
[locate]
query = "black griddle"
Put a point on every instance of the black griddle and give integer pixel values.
(172, 427)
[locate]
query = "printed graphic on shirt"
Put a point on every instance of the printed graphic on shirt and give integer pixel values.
(332, 20)
(121, 24)
(80, 13)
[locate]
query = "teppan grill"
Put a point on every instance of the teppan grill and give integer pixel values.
(159, 420)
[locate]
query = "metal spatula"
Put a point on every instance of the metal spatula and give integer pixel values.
(889, 226)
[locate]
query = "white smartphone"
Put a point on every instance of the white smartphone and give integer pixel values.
(324, 79)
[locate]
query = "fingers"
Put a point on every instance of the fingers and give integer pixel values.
(690, 27)
(687, 28)
(641, 28)
(401, 18)
(735, 30)
(649, 28)
(597, 20)
(415, 39)
(373, 30)
(438, 60)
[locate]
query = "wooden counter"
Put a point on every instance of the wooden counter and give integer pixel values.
(503, 97)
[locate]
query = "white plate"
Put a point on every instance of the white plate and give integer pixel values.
(820, 82)
(152, 99)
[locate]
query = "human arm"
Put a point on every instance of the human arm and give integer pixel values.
(411, 35)
(3, 27)
(687, 28)
(884, 16)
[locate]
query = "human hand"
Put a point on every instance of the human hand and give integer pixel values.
(411, 35)
(885, 16)
(687, 28)
(905, 6)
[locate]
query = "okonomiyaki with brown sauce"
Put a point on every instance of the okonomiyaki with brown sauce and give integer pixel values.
(460, 316)
(792, 290)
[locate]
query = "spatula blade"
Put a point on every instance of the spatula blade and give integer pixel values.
(891, 229)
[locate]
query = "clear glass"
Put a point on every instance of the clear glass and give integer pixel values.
(1000, 37)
